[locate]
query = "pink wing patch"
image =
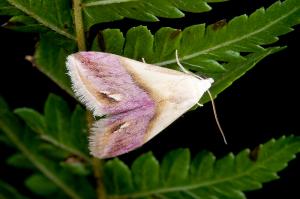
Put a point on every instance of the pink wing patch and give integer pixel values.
(120, 133)
(103, 84)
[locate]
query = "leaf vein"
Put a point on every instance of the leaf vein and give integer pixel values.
(105, 2)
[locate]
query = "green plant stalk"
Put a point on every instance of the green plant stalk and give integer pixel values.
(81, 43)
(79, 27)
(97, 165)
(98, 173)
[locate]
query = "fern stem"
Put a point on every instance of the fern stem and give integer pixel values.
(97, 167)
(98, 173)
(97, 164)
(79, 27)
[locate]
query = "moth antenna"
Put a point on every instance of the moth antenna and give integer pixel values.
(181, 66)
(216, 116)
(209, 93)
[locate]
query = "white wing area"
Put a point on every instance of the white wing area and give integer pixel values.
(174, 92)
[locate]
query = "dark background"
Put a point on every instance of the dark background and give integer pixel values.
(261, 105)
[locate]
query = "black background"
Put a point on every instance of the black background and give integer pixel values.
(261, 105)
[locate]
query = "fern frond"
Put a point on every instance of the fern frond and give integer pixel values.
(7, 9)
(234, 70)
(98, 11)
(207, 48)
(27, 143)
(94, 12)
(60, 19)
(24, 23)
(19, 160)
(40, 185)
(59, 126)
(241, 34)
(50, 57)
(7, 191)
(203, 177)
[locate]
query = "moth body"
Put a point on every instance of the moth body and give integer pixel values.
(139, 100)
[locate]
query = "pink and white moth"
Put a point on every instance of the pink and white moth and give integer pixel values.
(137, 99)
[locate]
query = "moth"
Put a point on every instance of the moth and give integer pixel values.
(135, 99)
